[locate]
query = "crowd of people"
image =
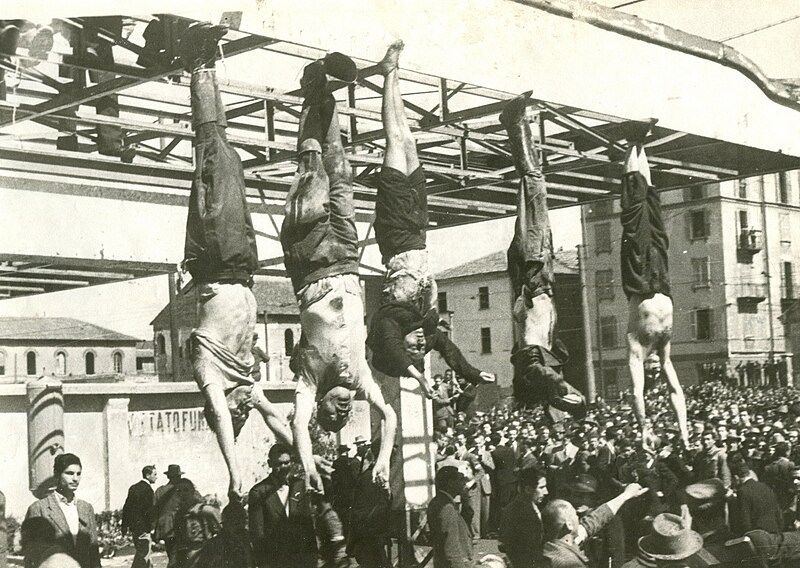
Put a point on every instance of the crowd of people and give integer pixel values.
(579, 492)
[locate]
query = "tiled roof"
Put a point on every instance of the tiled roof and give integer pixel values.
(274, 295)
(57, 329)
(566, 262)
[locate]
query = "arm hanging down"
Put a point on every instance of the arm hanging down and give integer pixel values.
(372, 391)
(452, 355)
(303, 409)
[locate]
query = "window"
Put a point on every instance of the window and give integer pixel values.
(486, 340)
(698, 224)
(788, 280)
(602, 237)
(442, 302)
(61, 363)
(161, 345)
(30, 362)
(702, 324)
(288, 342)
(701, 272)
(608, 332)
(483, 298)
(784, 190)
(611, 383)
(2, 363)
(117, 360)
(694, 193)
(744, 221)
(604, 282)
(89, 360)
(785, 228)
(742, 189)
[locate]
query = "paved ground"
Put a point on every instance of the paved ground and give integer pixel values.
(160, 559)
(125, 558)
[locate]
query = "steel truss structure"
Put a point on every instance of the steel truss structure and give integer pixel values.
(461, 144)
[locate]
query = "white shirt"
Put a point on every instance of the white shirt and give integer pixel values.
(70, 510)
(283, 495)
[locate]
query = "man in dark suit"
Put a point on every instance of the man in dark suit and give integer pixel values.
(281, 527)
(757, 514)
(450, 536)
(521, 527)
(137, 516)
(756, 506)
(504, 480)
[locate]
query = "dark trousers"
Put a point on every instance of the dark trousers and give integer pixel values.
(643, 253)
(530, 256)
(220, 240)
(319, 235)
(371, 553)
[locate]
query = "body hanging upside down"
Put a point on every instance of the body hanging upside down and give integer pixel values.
(406, 326)
(538, 356)
(220, 253)
(320, 246)
(645, 280)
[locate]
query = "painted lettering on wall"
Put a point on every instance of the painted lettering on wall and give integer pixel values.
(145, 423)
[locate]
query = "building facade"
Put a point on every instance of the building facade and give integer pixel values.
(62, 347)
(733, 262)
(277, 325)
(477, 298)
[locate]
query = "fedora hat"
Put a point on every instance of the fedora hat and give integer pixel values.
(670, 538)
(705, 494)
(173, 469)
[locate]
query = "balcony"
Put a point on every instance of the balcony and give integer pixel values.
(749, 241)
(750, 294)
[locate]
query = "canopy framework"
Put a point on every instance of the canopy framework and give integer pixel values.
(462, 146)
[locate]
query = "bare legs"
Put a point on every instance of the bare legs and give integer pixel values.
(649, 316)
(401, 148)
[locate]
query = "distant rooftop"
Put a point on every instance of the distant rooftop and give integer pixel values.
(566, 262)
(57, 329)
(274, 295)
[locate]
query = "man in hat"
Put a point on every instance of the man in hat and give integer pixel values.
(450, 536)
(645, 280)
(406, 326)
(220, 253)
(539, 355)
(565, 534)
(671, 542)
(320, 246)
(706, 503)
(167, 501)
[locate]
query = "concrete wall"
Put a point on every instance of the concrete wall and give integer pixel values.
(16, 359)
(116, 429)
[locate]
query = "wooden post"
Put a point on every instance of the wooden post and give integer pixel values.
(591, 388)
(173, 332)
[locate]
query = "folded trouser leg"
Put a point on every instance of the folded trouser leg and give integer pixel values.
(341, 181)
(308, 197)
(220, 240)
(530, 256)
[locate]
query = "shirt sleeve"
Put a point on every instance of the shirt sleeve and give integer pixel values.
(391, 342)
(596, 520)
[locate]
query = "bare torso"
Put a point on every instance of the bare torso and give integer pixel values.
(650, 320)
(535, 325)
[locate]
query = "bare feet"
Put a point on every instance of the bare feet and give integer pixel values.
(390, 61)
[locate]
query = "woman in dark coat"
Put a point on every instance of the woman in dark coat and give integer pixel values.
(60, 522)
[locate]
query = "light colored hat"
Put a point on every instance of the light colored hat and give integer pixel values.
(670, 538)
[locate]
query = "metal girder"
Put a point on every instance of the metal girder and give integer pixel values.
(69, 100)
